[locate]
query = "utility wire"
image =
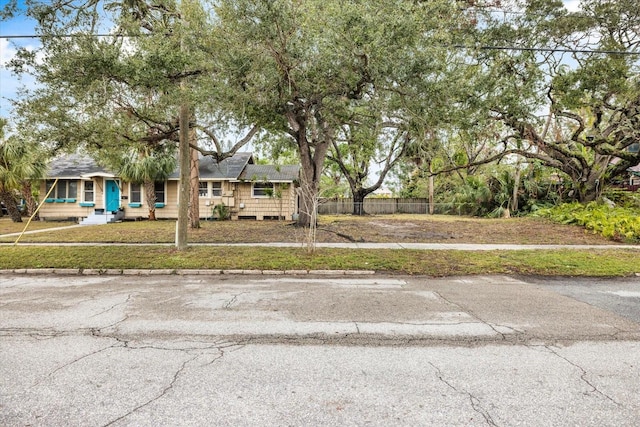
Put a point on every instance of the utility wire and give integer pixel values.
(59, 36)
(457, 46)
(549, 49)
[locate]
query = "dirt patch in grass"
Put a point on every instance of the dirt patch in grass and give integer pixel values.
(463, 230)
(332, 229)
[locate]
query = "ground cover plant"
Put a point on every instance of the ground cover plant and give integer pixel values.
(617, 223)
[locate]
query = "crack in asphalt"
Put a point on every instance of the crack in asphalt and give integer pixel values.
(195, 352)
(76, 360)
(471, 313)
(233, 300)
(476, 404)
(583, 376)
(44, 333)
(112, 307)
(195, 349)
(159, 396)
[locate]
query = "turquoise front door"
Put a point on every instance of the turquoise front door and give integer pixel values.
(112, 194)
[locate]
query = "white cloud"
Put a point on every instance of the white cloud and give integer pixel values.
(572, 5)
(10, 83)
(6, 52)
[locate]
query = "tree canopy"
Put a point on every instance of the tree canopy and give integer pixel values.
(449, 85)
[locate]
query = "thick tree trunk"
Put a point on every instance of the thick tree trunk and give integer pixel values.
(9, 201)
(27, 195)
(587, 192)
(150, 197)
(431, 190)
(184, 157)
(308, 193)
(516, 188)
(589, 186)
(358, 202)
(194, 205)
(312, 162)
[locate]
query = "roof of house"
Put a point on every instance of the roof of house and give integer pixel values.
(239, 167)
(270, 173)
(229, 168)
(75, 166)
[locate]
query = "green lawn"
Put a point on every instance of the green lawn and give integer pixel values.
(601, 262)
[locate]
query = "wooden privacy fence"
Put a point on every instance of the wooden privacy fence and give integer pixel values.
(374, 206)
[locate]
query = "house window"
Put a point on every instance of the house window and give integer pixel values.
(48, 185)
(88, 191)
(203, 189)
(216, 189)
(135, 193)
(262, 189)
(159, 189)
(65, 189)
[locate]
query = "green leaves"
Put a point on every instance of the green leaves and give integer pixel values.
(614, 223)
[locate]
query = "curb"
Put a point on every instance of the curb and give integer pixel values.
(180, 272)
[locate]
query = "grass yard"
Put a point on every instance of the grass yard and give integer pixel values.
(603, 262)
(333, 229)
(405, 228)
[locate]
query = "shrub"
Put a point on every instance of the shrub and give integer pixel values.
(221, 212)
(617, 223)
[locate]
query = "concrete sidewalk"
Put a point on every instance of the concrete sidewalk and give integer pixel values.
(363, 245)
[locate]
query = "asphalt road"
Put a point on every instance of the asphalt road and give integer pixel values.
(286, 350)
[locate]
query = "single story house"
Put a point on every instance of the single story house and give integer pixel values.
(248, 190)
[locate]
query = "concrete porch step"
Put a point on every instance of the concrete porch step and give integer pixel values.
(95, 219)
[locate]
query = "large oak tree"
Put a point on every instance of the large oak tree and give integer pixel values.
(565, 86)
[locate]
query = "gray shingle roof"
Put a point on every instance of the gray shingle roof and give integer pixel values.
(270, 173)
(229, 168)
(74, 166)
(238, 167)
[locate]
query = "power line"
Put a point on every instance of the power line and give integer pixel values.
(549, 49)
(59, 36)
(457, 46)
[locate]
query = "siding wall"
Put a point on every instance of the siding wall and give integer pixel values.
(234, 194)
(170, 209)
(63, 210)
(264, 206)
(208, 203)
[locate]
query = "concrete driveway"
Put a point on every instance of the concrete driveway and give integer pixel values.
(287, 350)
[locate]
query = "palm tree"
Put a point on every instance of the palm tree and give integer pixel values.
(21, 162)
(147, 167)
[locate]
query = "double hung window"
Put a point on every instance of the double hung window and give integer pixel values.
(216, 189)
(88, 194)
(135, 193)
(160, 192)
(262, 189)
(65, 189)
(203, 189)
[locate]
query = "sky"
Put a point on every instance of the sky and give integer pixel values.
(9, 83)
